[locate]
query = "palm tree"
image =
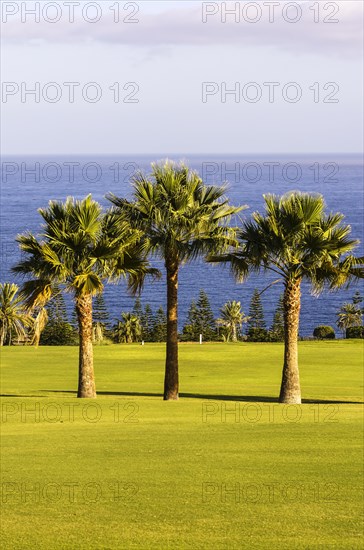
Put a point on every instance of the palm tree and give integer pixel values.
(232, 318)
(128, 330)
(40, 322)
(349, 315)
(79, 248)
(182, 219)
(13, 317)
(296, 240)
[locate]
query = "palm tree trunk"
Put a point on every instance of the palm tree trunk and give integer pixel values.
(86, 377)
(290, 387)
(171, 372)
(234, 336)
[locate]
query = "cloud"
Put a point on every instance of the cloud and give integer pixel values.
(182, 25)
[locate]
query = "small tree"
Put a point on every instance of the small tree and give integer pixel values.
(232, 319)
(324, 332)
(14, 320)
(200, 320)
(206, 321)
(191, 328)
(348, 316)
(147, 323)
(101, 319)
(128, 330)
(256, 322)
(160, 326)
(355, 332)
(357, 298)
(277, 329)
(138, 308)
(256, 313)
(57, 331)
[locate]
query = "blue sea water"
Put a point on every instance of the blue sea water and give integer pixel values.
(30, 182)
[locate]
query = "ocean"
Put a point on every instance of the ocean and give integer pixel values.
(28, 183)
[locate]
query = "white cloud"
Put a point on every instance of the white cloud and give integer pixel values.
(181, 24)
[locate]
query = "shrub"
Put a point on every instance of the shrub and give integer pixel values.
(60, 334)
(324, 332)
(354, 332)
(258, 335)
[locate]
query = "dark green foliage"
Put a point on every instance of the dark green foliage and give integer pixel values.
(324, 332)
(206, 319)
(128, 329)
(200, 320)
(138, 309)
(147, 323)
(256, 326)
(190, 330)
(357, 298)
(59, 335)
(100, 313)
(277, 328)
(256, 314)
(160, 326)
(354, 332)
(58, 331)
(259, 335)
(101, 325)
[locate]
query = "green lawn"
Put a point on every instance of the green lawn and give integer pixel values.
(224, 468)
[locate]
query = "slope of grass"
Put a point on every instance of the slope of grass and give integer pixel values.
(226, 467)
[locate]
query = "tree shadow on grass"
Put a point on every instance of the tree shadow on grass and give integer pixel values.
(214, 397)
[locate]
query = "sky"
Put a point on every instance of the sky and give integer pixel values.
(181, 77)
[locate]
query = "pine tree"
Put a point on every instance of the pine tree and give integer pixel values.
(74, 322)
(147, 323)
(57, 331)
(357, 298)
(200, 320)
(100, 317)
(190, 331)
(160, 326)
(100, 313)
(206, 319)
(138, 308)
(256, 324)
(56, 309)
(277, 329)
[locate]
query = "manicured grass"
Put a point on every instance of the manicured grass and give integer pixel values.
(224, 468)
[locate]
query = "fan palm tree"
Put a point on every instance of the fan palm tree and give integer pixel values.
(296, 240)
(349, 315)
(128, 330)
(40, 322)
(182, 219)
(232, 319)
(13, 317)
(79, 248)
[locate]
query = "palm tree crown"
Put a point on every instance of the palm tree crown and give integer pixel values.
(129, 329)
(232, 317)
(182, 217)
(350, 315)
(80, 246)
(296, 240)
